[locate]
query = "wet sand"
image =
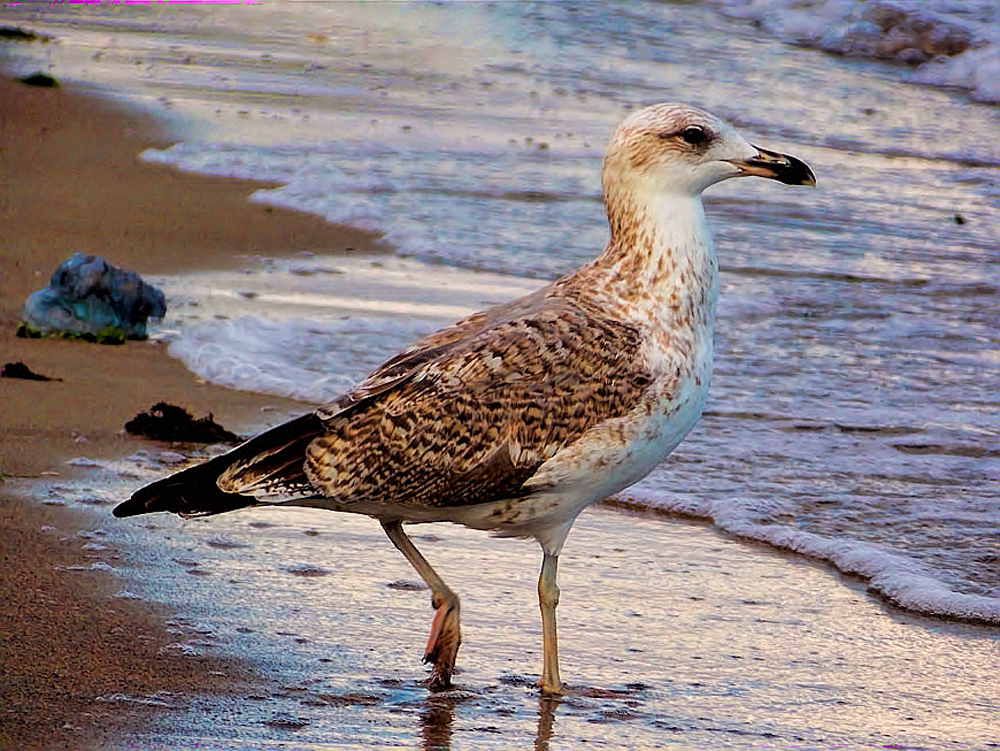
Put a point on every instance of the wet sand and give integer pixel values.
(670, 634)
(70, 179)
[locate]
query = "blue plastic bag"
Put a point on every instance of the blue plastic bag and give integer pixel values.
(88, 298)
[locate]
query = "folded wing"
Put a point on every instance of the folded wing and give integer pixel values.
(466, 416)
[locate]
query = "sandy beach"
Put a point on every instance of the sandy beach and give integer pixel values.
(71, 180)
(749, 648)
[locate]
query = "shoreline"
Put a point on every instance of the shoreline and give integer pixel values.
(142, 217)
(71, 179)
(722, 630)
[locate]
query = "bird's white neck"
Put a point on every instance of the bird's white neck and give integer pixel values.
(660, 261)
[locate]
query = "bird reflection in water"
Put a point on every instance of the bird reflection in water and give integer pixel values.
(438, 718)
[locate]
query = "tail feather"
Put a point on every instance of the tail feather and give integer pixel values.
(272, 462)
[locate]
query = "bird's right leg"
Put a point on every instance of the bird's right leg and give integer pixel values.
(548, 599)
(446, 634)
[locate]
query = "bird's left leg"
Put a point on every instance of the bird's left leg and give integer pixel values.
(446, 634)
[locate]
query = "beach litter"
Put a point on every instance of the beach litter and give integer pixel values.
(168, 422)
(44, 80)
(88, 298)
(20, 370)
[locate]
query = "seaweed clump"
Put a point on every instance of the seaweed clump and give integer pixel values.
(44, 80)
(168, 422)
(20, 370)
(19, 34)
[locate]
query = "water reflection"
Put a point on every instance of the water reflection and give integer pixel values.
(437, 720)
(546, 721)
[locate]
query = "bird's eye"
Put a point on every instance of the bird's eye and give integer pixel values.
(694, 135)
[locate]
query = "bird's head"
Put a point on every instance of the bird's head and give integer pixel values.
(675, 148)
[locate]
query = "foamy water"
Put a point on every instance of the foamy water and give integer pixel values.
(944, 42)
(853, 413)
(313, 326)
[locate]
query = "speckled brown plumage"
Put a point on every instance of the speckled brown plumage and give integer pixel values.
(470, 414)
(475, 422)
(517, 418)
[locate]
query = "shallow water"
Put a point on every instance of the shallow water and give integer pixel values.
(853, 413)
(670, 637)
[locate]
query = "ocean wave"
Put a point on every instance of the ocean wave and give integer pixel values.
(948, 44)
(895, 577)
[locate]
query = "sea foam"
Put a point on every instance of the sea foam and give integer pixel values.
(948, 43)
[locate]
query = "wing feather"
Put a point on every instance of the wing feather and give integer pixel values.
(476, 420)
(465, 416)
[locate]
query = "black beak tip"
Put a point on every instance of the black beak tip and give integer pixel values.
(796, 173)
(781, 167)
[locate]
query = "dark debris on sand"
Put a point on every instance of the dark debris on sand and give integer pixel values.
(20, 370)
(39, 79)
(167, 422)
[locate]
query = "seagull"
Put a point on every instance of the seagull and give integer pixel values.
(517, 418)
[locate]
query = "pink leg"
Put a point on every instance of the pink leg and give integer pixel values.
(446, 634)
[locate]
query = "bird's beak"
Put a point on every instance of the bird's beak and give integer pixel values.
(781, 167)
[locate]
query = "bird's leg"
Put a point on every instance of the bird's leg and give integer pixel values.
(548, 598)
(446, 634)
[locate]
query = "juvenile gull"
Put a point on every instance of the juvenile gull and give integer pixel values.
(517, 418)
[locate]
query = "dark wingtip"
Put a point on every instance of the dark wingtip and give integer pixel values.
(162, 495)
(131, 507)
(123, 509)
(195, 491)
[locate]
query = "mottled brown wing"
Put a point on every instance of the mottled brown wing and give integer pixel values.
(471, 423)
(272, 466)
(408, 363)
